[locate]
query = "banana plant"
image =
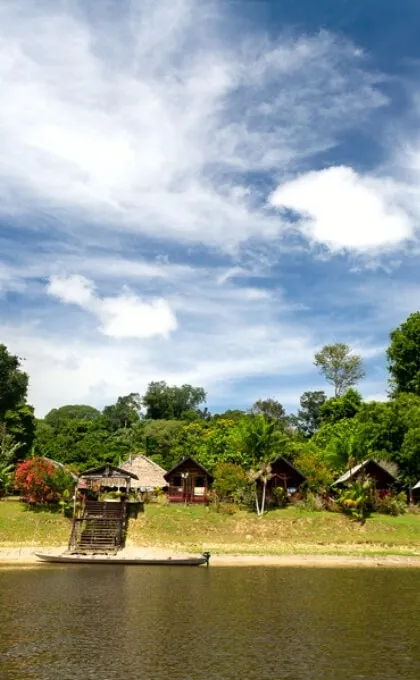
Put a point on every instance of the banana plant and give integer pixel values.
(6, 471)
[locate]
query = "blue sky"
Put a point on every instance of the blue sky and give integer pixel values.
(206, 192)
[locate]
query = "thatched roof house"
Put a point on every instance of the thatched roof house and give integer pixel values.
(382, 478)
(149, 474)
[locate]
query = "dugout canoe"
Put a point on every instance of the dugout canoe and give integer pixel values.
(126, 561)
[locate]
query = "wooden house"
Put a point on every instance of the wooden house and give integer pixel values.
(383, 479)
(188, 482)
(284, 475)
(106, 477)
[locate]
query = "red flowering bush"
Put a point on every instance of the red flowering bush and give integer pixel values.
(40, 482)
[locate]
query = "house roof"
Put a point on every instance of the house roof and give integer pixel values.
(185, 460)
(417, 486)
(282, 458)
(107, 470)
(62, 467)
(354, 470)
(149, 474)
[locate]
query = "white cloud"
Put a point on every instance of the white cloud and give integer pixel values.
(231, 338)
(74, 289)
(154, 121)
(128, 317)
(151, 118)
(342, 210)
(122, 316)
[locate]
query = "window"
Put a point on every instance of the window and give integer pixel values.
(200, 481)
(177, 481)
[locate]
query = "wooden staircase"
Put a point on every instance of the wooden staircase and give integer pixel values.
(99, 529)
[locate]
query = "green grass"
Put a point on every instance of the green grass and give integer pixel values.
(20, 526)
(281, 532)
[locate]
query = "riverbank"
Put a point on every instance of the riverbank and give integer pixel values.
(288, 536)
(25, 557)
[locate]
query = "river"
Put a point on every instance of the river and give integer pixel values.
(256, 623)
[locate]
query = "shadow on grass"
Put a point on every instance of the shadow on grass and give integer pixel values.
(51, 508)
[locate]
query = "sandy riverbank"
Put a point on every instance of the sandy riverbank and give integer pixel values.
(25, 556)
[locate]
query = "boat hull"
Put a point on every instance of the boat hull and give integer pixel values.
(85, 559)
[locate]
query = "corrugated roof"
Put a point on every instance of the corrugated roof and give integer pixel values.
(107, 470)
(150, 475)
(354, 470)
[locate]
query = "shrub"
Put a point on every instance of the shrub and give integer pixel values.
(314, 502)
(226, 508)
(280, 496)
(245, 496)
(390, 504)
(40, 482)
(229, 481)
(357, 500)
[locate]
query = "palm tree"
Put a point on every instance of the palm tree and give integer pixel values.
(260, 440)
(263, 475)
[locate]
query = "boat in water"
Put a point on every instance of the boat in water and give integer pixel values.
(126, 561)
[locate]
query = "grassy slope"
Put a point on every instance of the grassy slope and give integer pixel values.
(289, 531)
(19, 526)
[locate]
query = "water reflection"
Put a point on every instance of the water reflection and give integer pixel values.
(214, 624)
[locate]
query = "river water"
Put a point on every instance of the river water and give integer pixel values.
(140, 623)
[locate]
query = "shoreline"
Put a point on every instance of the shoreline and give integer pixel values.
(24, 556)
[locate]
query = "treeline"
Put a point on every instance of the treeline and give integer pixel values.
(326, 436)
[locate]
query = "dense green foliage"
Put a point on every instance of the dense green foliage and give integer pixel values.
(164, 402)
(404, 356)
(167, 423)
(17, 428)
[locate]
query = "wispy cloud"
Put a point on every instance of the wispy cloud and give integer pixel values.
(168, 122)
(151, 118)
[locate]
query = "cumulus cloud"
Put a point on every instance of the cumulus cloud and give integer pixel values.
(74, 289)
(122, 316)
(343, 210)
(237, 339)
(151, 116)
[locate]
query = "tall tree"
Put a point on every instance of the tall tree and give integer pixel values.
(166, 402)
(404, 356)
(19, 423)
(13, 382)
(123, 414)
(270, 409)
(309, 415)
(340, 366)
(57, 416)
